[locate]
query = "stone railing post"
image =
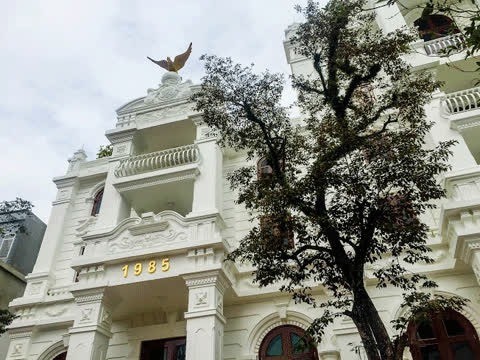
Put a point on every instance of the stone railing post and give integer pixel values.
(205, 321)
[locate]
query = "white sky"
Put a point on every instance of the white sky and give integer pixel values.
(65, 66)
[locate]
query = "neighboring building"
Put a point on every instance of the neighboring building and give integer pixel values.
(132, 263)
(20, 245)
(19, 248)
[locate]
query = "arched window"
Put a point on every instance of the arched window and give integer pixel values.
(445, 336)
(264, 168)
(97, 203)
(287, 342)
(277, 232)
(435, 26)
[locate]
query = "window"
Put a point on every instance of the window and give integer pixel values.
(276, 232)
(286, 343)
(264, 168)
(5, 246)
(445, 336)
(97, 203)
(165, 349)
(435, 26)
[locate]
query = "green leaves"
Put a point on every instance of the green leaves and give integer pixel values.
(6, 318)
(105, 151)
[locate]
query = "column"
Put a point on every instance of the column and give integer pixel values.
(90, 333)
(205, 321)
(461, 157)
(389, 17)
(20, 340)
(208, 186)
(115, 208)
(38, 280)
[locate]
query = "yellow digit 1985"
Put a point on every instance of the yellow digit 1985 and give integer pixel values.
(151, 267)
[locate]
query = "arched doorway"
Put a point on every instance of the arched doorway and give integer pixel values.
(287, 342)
(447, 335)
(61, 356)
(435, 26)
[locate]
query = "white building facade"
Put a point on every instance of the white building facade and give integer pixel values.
(131, 266)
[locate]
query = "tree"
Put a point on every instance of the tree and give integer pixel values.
(105, 151)
(8, 220)
(6, 318)
(350, 180)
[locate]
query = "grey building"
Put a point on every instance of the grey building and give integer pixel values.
(21, 239)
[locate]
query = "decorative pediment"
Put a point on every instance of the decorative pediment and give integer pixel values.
(170, 89)
(147, 231)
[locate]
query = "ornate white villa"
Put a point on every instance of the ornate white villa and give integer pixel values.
(131, 266)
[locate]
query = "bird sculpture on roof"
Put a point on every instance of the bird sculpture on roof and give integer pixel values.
(176, 64)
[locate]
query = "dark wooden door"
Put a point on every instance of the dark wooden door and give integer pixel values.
(164, 349)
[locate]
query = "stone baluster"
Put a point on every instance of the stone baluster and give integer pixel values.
(205, 321)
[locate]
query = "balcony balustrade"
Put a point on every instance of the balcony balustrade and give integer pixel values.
(158, 160)
(441, 46)
(462, 101)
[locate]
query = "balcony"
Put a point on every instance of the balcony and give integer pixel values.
(158, 160)
(444, 45)
(462, 101)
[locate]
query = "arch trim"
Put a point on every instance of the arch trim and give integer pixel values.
(53, 350)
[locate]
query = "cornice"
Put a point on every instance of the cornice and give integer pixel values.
(120, 135)
(217, 278)
(141, 181)
(65, 181)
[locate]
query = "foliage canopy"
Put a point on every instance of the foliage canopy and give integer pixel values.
(350, 179)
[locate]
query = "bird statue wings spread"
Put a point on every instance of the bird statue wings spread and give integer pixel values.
(177, 63)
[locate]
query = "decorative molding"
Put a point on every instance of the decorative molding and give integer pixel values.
(89, 298)
(201, 299)
(53, 350)
(175, 110)
(170, 89)
(189, 174)
(85, 225)
(131, 242)
(54, 312)
(12, 334)
(272, 321)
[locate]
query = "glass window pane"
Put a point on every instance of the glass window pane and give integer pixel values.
(462, 351)
(180, 352)
(165, 354)
(453, 327)
(275, 346)
(425, 331)
(430, 352)
(299, 345)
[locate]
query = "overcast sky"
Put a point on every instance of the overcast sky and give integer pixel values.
(65, 66)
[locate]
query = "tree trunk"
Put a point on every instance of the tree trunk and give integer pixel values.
(365, 333)
(370, 315)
